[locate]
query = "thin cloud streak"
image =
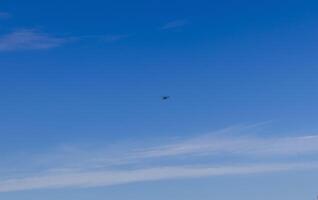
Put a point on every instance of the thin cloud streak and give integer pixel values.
(102, 38)
(113, 38)
(174, 24)
(208, 146)
(29, 39)
(244, 146)
(78, 168)
(224, 142)
(108, 178)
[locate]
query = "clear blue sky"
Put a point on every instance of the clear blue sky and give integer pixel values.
(81, 115)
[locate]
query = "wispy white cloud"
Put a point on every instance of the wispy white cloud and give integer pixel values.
(232, 141)
(228, 143)
(29, 39)
(114, 38)
(174, 24)
(243, 146)
(79, 167)
(107, 38)
(107, 178)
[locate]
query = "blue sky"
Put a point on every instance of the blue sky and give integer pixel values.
(81, 115)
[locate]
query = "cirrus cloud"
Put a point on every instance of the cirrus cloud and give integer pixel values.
(108, 178)
(73, 167)
(174, 24)
(29, 39)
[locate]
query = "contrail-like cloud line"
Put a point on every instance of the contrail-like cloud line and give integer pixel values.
(108, 178)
